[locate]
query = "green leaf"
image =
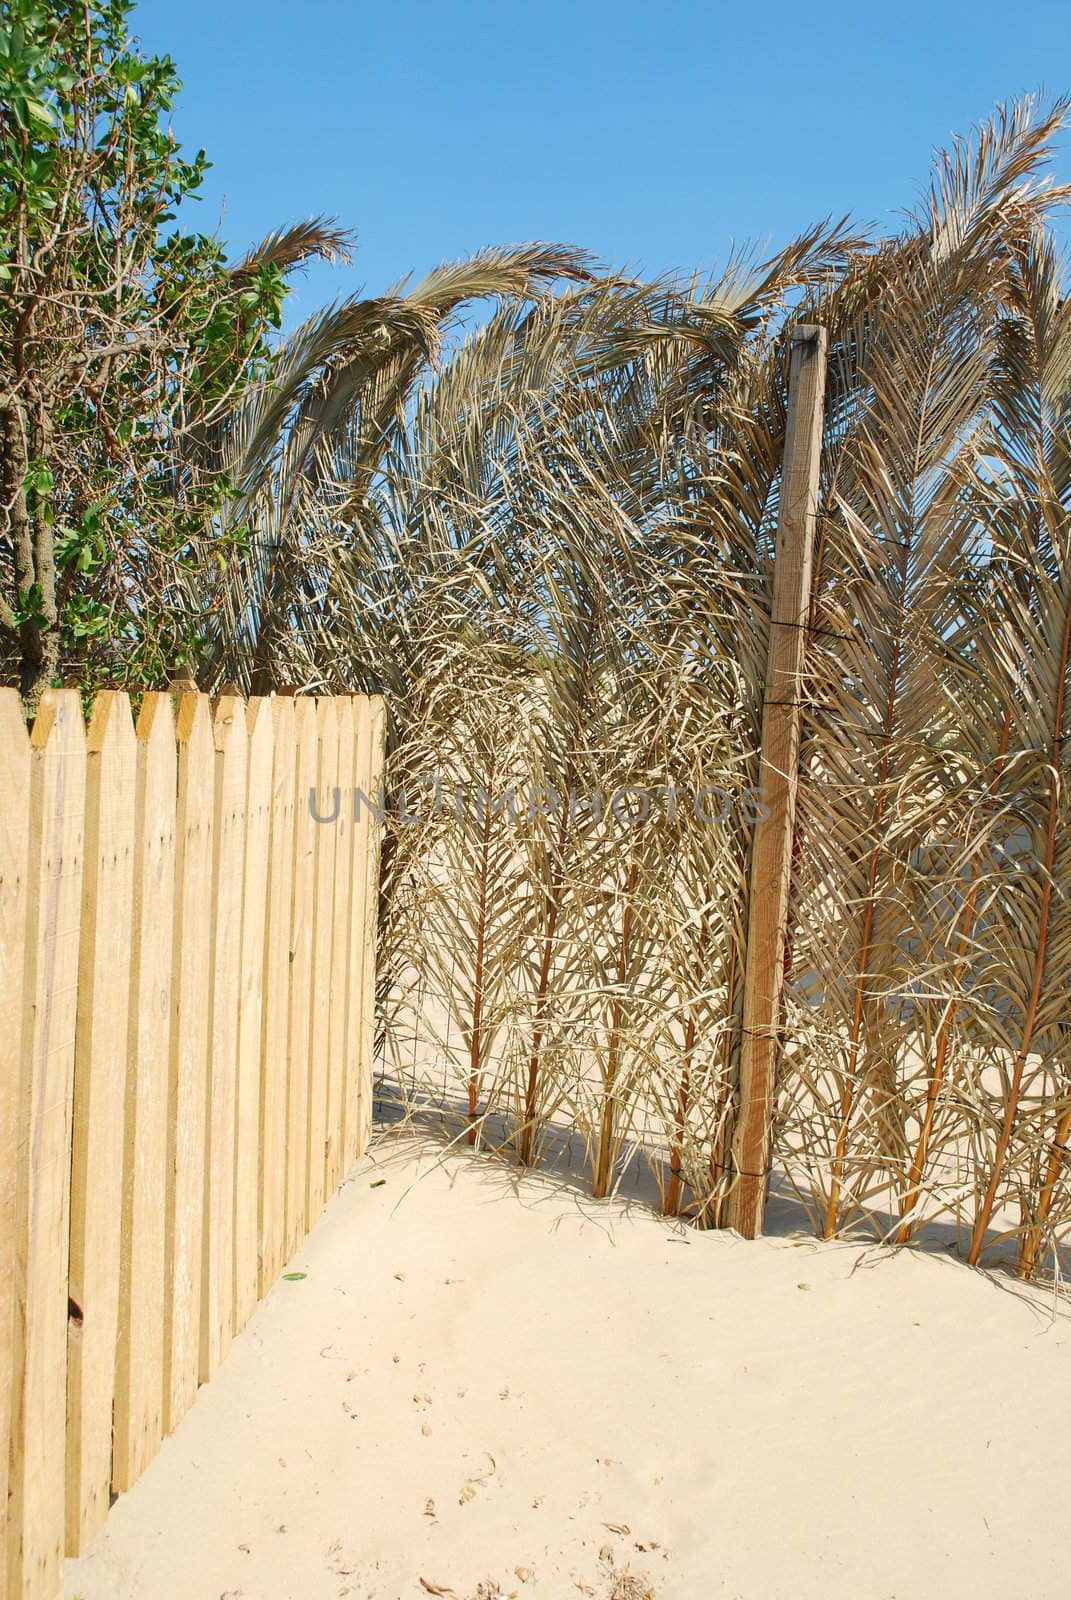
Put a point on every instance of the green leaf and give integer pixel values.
(38, 115)
(28, 608)
(38, 479)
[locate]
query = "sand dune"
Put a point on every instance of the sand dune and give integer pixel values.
(487, 1385)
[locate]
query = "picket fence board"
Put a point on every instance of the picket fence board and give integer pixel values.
(228, 852)
(14, 873)
(377, 714)
(276, 1010)
(302, 908)
(104, 971)
(337, 1019)
(250, 1007)
(323, 913)
(37, 1483)
(188, 1075)
(139, 1385)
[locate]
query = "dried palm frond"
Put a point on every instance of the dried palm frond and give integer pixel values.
(549, 540)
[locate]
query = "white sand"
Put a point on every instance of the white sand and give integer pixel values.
(484, 1378)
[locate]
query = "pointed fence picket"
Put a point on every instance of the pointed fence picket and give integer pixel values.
(139, 1364)
(250, 1007)
(302, 916)
(104, 971)
(271, 1213)
(14, 876)
(217, 1312)
(178, 936)
(45, 1090)
(364, 943)
(324, 832)
(338, 995)
(188, 1074)
(15, 866)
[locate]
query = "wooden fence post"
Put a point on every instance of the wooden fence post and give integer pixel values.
(771, 860)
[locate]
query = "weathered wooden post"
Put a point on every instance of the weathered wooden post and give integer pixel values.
(771, 862)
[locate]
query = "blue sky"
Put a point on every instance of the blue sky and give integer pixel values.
(652, 134)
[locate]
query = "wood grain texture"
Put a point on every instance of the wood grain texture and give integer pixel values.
(228, 859)
(37, 1483)
(338, 997)
(771, 861)
(250, 1007)
(99, 1111)
(139, 1365)
(188, 1071)
(303, 888)
(374, 846)
(14, 873)
(276, 1010)
(362, 770)
(325, 830)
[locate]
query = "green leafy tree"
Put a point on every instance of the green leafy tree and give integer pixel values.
(124, 340)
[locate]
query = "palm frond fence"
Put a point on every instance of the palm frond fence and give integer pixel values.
(749, 873)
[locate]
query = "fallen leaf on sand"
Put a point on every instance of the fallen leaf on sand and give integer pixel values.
(429, 1507)
(618, 1527)
(627, 1586)
(469, 1491)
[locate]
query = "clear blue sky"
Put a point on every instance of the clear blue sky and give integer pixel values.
(653, 134)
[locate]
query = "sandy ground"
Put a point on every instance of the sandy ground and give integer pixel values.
(488, 1386)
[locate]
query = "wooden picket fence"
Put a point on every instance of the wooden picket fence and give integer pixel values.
(187, 976)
